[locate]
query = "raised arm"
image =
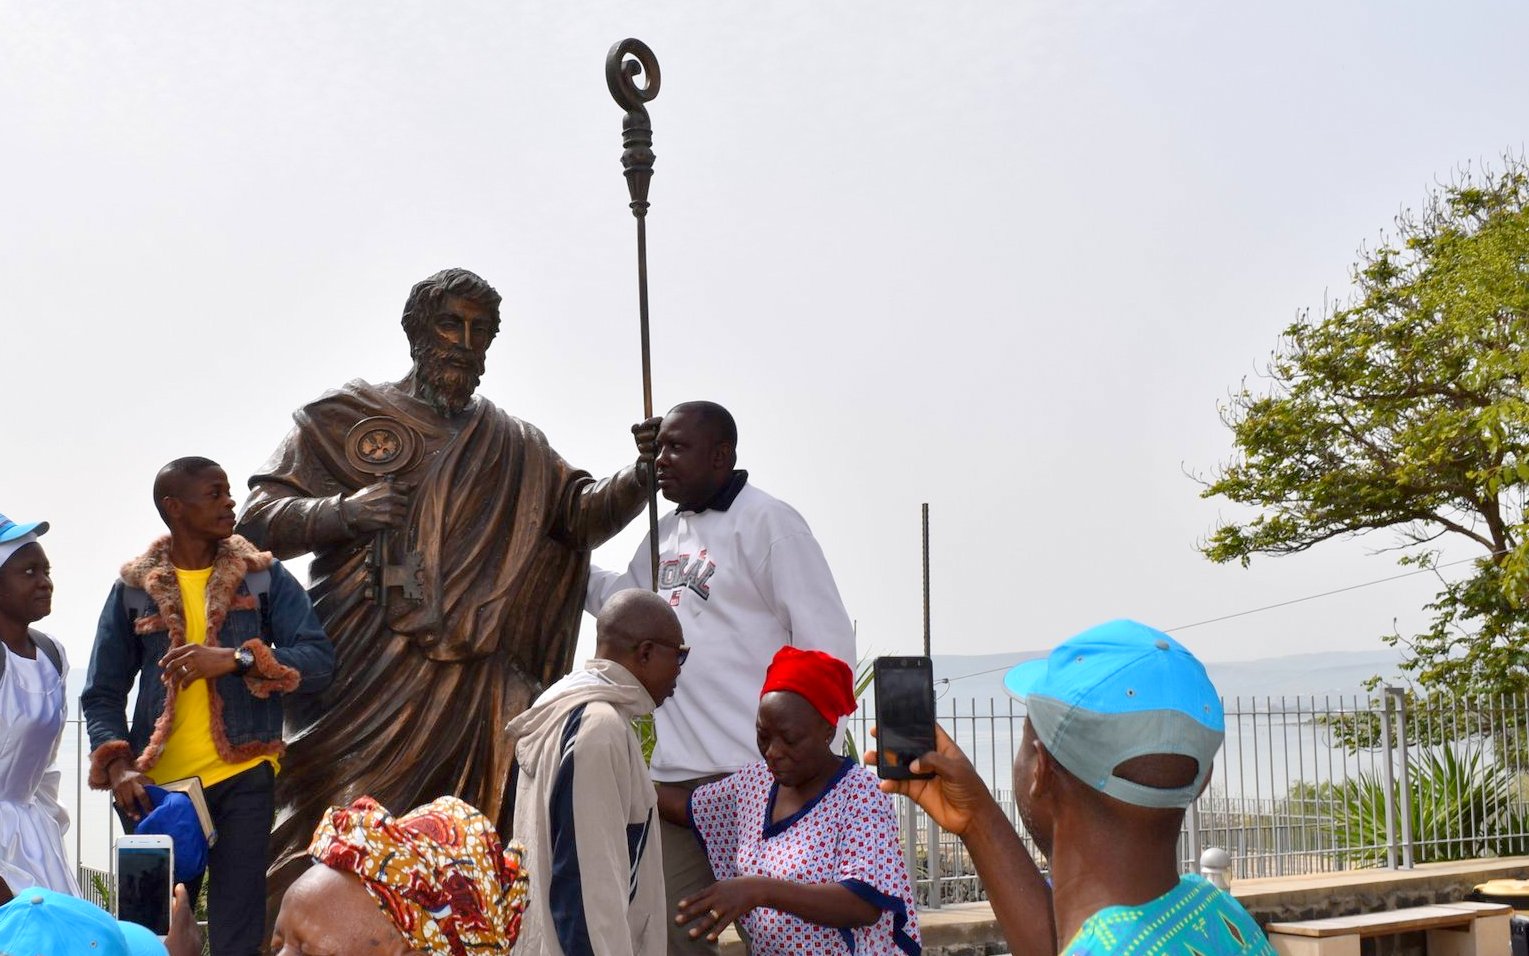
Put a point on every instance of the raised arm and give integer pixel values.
(960, 802)
(592, 512)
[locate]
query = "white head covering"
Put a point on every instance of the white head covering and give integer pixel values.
(9, 548)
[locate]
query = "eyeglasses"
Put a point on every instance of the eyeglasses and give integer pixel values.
(681, 651)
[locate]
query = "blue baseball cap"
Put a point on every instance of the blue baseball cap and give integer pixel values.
(40, 922)
(1117, 691)
(10, 530)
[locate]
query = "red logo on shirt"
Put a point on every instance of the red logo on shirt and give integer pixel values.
(680, 572)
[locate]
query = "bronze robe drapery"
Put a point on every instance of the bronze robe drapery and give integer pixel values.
(420, 700)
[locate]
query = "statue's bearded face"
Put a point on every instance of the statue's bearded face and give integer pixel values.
(449, 353)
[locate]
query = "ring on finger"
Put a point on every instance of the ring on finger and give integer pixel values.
(714, 914)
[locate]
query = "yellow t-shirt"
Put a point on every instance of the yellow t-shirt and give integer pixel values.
(189, 751)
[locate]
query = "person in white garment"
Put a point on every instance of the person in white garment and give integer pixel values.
(32, 712)
(746, 577)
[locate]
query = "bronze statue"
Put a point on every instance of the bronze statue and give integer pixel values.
(451, 550)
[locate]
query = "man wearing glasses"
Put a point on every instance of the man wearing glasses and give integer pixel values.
(585, 807)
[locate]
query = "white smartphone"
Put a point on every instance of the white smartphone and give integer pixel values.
(145, 880)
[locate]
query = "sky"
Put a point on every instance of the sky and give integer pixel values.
(1007, 258)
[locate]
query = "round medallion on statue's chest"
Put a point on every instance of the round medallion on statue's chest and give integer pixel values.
(380, 446)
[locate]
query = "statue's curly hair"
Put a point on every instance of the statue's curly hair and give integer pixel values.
(425, 298)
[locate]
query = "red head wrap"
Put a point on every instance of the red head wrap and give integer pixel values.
(826, 682)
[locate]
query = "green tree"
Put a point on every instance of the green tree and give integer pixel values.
(1406, 411)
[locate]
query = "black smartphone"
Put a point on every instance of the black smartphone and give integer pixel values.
(145, 881)
(904, 715)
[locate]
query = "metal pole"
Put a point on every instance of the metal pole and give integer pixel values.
(79, 790)
(931, 829)
(626, 60)
(926, 579)
(1406, 780)
(1192, 830)
(1390, 782)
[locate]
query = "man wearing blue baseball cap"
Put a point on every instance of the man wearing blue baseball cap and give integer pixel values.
(1121, 727)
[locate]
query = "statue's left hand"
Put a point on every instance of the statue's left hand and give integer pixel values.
(646, 434)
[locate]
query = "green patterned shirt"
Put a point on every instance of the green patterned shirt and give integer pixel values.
(1193, 919)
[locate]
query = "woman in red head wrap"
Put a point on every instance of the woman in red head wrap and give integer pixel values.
(803, 844)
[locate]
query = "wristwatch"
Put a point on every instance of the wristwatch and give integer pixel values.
(244, 659)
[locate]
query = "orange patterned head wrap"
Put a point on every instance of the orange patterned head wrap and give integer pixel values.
(438, 872)
(826, 682)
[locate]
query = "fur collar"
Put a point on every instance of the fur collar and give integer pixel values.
(153, 573)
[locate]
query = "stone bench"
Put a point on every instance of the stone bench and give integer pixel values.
(1453, 929)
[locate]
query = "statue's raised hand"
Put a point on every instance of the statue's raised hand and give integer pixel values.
(646, 434)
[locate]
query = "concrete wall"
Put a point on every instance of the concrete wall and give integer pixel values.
(969, 929)
(1365, 891)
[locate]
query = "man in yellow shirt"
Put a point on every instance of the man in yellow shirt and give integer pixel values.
(214, 633)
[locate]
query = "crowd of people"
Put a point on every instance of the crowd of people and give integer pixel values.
(542, 824)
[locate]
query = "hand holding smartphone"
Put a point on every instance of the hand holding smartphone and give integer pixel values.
(904, 715)
(145, 880)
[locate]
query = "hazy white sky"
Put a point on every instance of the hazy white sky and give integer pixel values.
(1002, 257)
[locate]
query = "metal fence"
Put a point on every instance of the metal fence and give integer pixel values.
(1302, 785)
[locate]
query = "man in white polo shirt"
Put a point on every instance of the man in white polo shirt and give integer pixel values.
(746, 577)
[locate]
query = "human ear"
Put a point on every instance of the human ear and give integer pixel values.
(1042, 771)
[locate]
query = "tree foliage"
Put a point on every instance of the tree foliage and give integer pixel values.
(1463, 806)
(1406, 411)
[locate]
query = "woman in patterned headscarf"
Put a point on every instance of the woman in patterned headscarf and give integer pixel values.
(435, 881)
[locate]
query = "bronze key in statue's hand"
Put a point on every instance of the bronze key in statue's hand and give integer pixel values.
(380, 507)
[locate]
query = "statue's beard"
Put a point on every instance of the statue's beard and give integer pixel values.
(445, 384)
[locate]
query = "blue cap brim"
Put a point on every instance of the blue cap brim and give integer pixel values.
(141, 940)
(1022, 679)
(12, 532)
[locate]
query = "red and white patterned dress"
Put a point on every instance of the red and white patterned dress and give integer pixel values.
(847, 835)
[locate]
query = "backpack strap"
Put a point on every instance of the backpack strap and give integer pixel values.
(49, 648)
(258, 583)
(136, 602)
